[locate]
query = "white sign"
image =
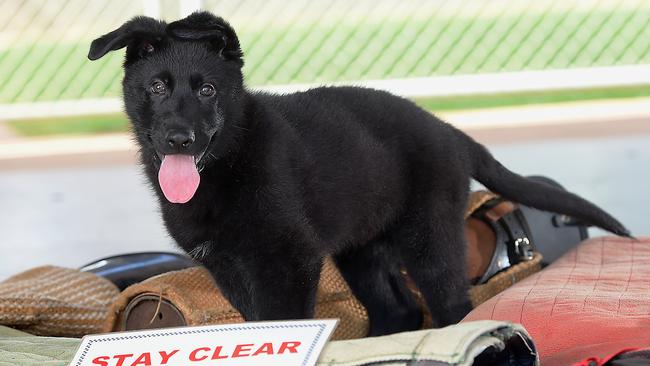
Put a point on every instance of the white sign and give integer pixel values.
(287, 343)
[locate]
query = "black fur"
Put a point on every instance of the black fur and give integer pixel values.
(357, 174)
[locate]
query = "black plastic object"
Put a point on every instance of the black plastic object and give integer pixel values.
(632, 358)
(127, 269)
(517, 349)
(514, 242)
(553, 234)
(521, 232)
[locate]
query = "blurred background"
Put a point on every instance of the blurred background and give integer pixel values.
(559, 88)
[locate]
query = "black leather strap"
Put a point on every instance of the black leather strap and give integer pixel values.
(514, 243)
(500, 259)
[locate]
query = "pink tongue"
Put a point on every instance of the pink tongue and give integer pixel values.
(178, 178)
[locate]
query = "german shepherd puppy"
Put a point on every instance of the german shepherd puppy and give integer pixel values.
(262, 187)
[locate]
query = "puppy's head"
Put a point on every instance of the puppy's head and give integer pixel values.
(182, 87)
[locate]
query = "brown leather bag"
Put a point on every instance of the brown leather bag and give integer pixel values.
(190, 296)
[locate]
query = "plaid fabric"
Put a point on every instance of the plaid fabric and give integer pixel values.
(56, 301)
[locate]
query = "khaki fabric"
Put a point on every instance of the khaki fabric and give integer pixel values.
(455, 345)
(23, 349)
(458, 344)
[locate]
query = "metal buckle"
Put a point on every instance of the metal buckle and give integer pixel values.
(524, 249)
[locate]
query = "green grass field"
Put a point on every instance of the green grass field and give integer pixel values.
(82, 125)
(503, 100)
(396, 47)
(393, 45)
(118, 122)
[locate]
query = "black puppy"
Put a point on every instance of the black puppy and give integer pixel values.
(287, 180)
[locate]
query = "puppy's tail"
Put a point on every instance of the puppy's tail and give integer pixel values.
(497, 178)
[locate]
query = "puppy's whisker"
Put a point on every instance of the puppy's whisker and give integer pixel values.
(201, 251)
(241, 128)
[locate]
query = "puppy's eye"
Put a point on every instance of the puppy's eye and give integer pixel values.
(207, 90)
(147, 47)
(158, 87)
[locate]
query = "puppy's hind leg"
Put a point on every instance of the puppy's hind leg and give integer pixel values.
(373, 273)
(432, 245)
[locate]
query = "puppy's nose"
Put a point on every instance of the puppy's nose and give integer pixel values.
(180, 139)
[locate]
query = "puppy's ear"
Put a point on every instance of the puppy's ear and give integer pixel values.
(140, 34)
(204, 26)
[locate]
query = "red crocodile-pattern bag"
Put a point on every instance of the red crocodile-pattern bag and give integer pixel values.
(592, 302)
